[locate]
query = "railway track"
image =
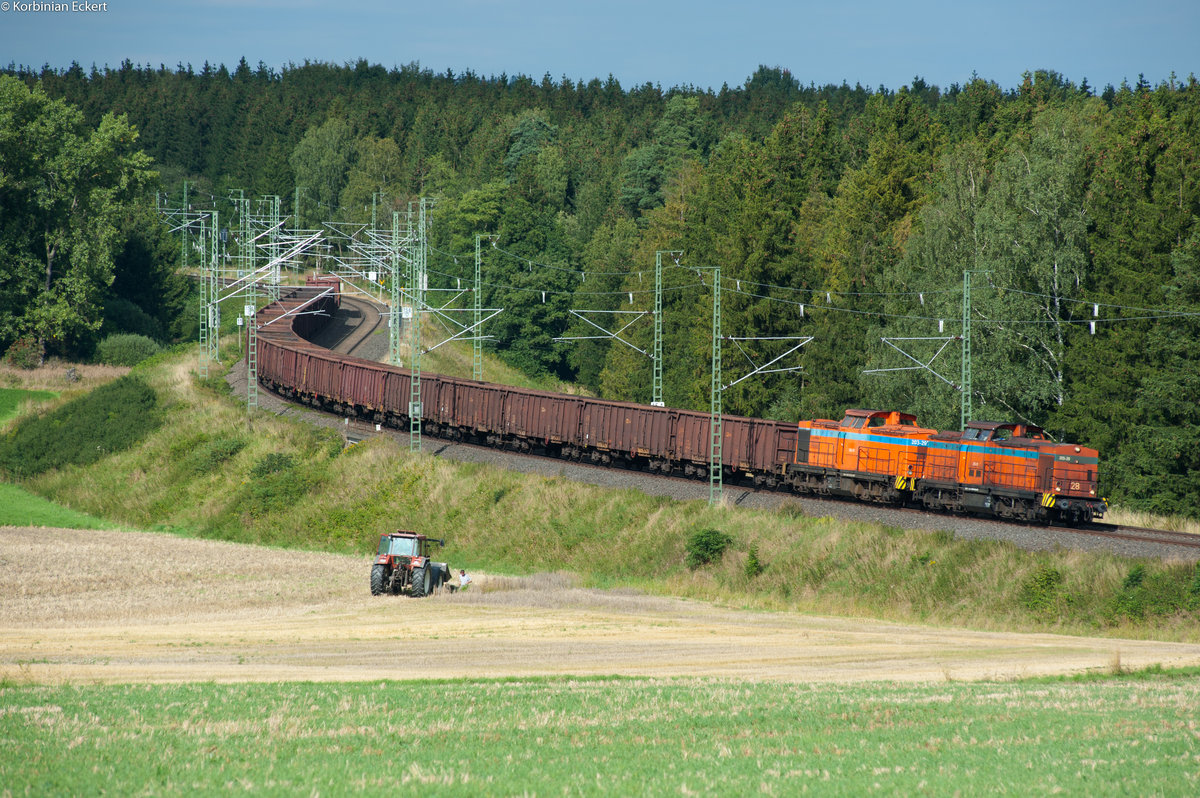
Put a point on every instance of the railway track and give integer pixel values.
(1140, 534)
(351, 333)
(354, 325)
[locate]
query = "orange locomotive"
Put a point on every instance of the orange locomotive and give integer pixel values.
(1009, 470)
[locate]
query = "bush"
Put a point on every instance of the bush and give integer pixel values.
(706, 546)
(1040, 592)
(125, 349)
(186, 326)
(24, 354)
(208, 455)
(754, 565)
(272, 463)
(109, 419)
(277, 482)
(1155, 593)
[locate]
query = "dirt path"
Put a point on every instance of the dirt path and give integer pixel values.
(83, 607)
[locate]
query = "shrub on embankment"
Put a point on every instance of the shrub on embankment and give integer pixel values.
(214, 470)
(91, 427)
(126, 349)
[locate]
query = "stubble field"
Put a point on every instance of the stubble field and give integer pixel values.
(111, 606)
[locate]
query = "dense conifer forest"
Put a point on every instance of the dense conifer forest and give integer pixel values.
(844, 214)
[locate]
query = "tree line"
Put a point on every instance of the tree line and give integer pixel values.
(844, 214)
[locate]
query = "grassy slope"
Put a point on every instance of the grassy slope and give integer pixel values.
(21, 508)
(212, 471)
(12, 400)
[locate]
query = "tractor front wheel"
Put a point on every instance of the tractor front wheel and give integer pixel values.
(377, 580)
(421, 582)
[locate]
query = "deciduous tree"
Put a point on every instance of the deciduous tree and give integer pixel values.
(63, 188)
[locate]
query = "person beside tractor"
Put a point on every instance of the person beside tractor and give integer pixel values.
(464, 581)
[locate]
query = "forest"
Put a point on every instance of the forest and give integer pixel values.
(1051, 225)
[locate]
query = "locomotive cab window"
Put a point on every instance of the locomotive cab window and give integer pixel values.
(878, 421)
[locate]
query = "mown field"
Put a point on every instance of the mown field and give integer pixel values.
(1118, 736)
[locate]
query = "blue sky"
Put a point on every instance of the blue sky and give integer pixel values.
(668, 42)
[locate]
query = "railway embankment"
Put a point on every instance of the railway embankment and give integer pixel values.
(213, 469)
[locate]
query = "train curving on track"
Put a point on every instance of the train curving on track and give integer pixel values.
(1002, 470)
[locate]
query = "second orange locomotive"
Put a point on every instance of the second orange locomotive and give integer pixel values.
(1011, 470)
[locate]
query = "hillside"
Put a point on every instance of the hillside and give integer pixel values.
(204, 467)
(1046, 234)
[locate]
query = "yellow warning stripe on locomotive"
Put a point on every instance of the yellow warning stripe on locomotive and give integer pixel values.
(1048, 499)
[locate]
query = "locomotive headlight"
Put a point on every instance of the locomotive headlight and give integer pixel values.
(1077, 448)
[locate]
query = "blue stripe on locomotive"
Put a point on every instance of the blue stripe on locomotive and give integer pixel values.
(956, 446)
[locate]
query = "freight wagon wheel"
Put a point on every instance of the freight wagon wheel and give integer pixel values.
(421, 582)
(377, 579)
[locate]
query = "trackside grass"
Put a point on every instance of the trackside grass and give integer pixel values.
(605, 737)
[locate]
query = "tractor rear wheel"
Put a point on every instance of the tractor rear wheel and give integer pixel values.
(377, 580)
(421, 582)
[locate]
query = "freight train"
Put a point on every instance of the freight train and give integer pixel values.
(1004, 470)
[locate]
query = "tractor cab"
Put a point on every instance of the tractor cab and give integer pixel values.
(401, 545)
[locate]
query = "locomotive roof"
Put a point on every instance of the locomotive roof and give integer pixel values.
(876, 418)
(1020, 428)
(1011, 433)
(869, 413)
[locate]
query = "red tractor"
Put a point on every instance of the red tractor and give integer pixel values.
(403, 562)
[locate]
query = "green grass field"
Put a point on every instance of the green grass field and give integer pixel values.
(1116, 736)
(21, 508)
(11, 400)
